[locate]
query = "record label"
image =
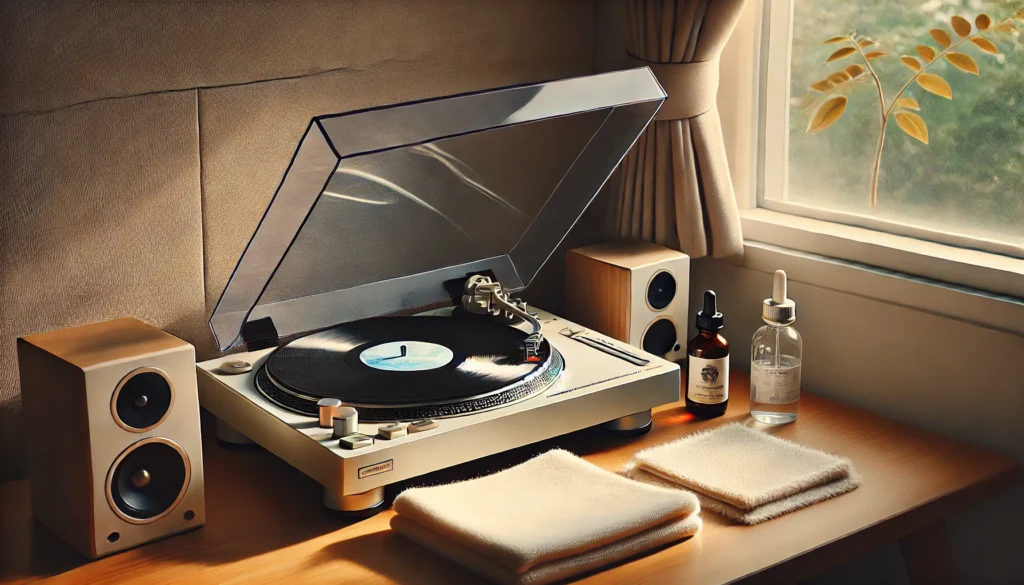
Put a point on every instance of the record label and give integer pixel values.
(407, 356)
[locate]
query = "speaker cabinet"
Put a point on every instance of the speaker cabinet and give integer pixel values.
(112, 430)
(633, 291)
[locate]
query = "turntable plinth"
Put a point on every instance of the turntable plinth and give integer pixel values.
(468, 377)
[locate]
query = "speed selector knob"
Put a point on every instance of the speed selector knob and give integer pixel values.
(328, 406)
(346, 422)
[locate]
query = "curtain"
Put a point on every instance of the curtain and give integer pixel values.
(675, 188)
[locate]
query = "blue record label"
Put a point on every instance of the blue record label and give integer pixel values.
(407, 356)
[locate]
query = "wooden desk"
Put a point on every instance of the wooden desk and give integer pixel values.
(265, 523)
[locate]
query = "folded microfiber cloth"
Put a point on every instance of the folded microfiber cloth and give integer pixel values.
(744, 474)
(550, 518)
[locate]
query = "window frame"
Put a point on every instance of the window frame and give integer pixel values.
(976, 265)
(775, 81)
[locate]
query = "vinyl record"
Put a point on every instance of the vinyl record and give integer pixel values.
(390, 362)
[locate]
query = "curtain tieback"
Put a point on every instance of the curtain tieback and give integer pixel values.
(691, 87)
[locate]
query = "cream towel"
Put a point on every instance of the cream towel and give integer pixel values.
(744, 474)
(556, 570)
(556, 515)
(761, 513)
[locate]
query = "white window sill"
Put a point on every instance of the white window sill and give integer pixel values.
(968, 285)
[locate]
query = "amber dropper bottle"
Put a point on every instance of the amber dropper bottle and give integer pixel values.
(707, 363)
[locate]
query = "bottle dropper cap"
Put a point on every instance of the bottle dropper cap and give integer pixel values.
(779, 310)
(708, 318)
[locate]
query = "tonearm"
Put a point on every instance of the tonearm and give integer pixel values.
(485, 296)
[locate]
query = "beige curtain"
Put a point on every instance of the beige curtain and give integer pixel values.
(674, 186)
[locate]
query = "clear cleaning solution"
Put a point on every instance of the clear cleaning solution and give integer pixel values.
(775, 355)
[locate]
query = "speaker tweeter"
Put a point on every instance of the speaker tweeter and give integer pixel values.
(142, 399)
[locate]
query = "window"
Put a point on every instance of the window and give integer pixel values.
(947, 85)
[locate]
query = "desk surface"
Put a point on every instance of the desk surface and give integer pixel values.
(265, 523)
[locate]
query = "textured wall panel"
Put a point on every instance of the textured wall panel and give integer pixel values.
(60, 52)
(248, 133)
(101, 218)
(83, 176)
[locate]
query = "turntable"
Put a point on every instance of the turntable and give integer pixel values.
(375, 301)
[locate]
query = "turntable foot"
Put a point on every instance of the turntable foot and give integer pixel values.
(228, 435)
(354, 505)
(632, 425)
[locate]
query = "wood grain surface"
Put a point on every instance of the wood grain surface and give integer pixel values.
(597, 294)
(265, 523)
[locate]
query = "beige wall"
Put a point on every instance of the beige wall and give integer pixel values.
(141, 141)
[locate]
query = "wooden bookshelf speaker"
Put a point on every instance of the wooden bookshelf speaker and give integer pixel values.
(112, 431)
(633, 291)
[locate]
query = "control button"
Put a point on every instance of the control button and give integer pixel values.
(346, 422)
(355, 441)
(235, 367)
(328, 406)
(392, 431)
(422, 425)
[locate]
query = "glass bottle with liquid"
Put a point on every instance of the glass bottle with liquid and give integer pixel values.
(775, 356)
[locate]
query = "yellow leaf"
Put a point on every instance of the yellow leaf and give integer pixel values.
(908, 103)
(983, 22)
(864, 43)
(941, 37)
(839, 77)
(927, 53)
(823, 86)
(911, 62)
(935, 84)
(986, 45)
(963, 62)
(874, 55)
(961, 25)
(835, 40)
(1019, 14)
(844, 52)
(913, 125)
(1006, 27)
(855, 70)
(827, 114)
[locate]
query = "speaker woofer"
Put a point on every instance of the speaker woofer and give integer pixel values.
(147, 480)
(142, 399)
(661, 290)
(660, 337)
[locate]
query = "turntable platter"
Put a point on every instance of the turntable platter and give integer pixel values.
(405, 368)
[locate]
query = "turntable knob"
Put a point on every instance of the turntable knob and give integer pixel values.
(328, 406)
(392, 431)
(235, 367)
(355, 441)
(422, 425)
(346, 422)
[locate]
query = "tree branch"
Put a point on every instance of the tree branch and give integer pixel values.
(874, 76)
(928, 64)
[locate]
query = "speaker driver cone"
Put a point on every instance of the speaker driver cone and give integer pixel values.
(661, 290)
(142, 399)
(148, 480)
(660, 337)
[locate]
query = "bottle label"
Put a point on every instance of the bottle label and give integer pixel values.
(770, 385)
(707, 381)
